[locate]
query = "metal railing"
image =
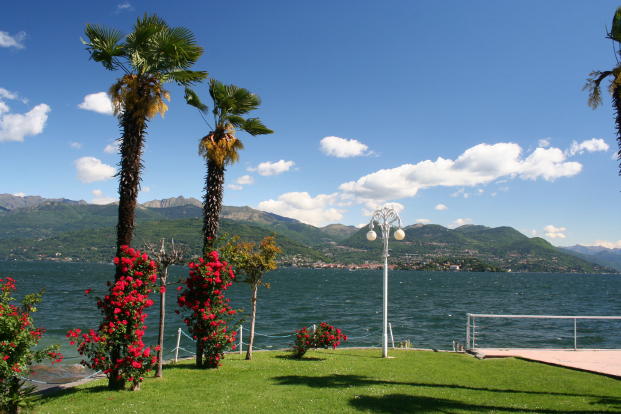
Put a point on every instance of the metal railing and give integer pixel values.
(471, 326)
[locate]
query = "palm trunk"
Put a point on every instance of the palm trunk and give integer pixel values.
(160, 342)
(253, 317)
(134, 128)
(616, 101)
(212, 204)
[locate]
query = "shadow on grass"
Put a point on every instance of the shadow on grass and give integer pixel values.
(345, 381)
(55, 392)
(292, 358)
(402, 403)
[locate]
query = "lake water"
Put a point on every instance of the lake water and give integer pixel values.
(427, 308)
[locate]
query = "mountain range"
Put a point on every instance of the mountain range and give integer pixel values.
(60, 229)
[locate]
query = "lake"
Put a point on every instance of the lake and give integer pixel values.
(427, 308)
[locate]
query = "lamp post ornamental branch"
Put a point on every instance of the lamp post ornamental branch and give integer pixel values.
(385, 218)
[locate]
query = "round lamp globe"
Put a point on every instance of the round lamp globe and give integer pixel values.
(371, 235)
(399, 234)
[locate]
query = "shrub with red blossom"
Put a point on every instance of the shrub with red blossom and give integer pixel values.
(116, 347)
(325, 336)
(207, 309)
(18, 336)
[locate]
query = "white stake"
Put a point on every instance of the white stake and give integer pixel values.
(177, 347)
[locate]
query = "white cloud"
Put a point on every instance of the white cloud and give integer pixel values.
(91, 169)
(244, 180)
(590, 145)
(440, 207)
(145, 189)
(5, 94)
(4, 108)
(342, 147)
(16, 41)
(75, 145)
(20, 194)
(272, 168)
(124, 6)
(100, 198)
(478, 165)
(554, 232)
(112, 148)
(423, 221)
(461, 193)
(14, 127)
(544, 142)
(317, 211)
(97, 102)
(608, 245)
(235, 187)
(460, 222)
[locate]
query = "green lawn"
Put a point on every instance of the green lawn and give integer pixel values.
(354, 380)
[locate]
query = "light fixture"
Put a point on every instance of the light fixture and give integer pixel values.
(371, 235)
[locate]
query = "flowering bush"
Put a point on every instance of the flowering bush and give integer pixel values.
(208, 309)
(325, 336)
(116, 348)
(17, 337)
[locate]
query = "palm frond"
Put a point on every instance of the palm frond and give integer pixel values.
(192, 99)
(254, 127)
(104, 45)
(185, 77)
(592, 85)
(615, 32)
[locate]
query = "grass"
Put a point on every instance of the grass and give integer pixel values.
(354, 381)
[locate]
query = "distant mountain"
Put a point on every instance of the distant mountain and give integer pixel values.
(597, 254)
(173, 202)
(12, 202)
(339, 231)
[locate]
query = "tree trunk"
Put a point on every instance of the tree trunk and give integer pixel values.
(253, 317)
(199, 353)
(214, 184)
(134, 125)
(616, 101)
(160, 342)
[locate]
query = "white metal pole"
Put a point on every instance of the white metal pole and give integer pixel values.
(385, 343)
(575, 336)
(467, 331)
(177, 347)
(392, 338)
(241, 343)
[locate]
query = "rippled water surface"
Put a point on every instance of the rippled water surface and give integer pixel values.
(427, 308)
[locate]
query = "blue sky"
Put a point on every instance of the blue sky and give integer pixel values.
(460, 112)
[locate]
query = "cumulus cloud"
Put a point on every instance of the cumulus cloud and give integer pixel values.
(5, 94)
(245, 180)
(478, 165)
(460, 222)
(272, 168)
(112, 148)
(100, 198)
(440, 207)
(590, 145)
(317, 211)
(97, 102)
(16, 41)
(75, 145)
(91, 169)
(544, 142)
(554, 232)
(235, 187)
(608, 245)
(15, 127)
(342, 147)
(20, 194)
(423, 221)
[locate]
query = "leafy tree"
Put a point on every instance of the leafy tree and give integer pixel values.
(252, 262)
(596, 77)
(150, 56)
(221, 146)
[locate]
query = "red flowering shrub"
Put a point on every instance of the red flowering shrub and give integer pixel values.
(208, 309)
(116, 348)
(17, 337)
(325, 336)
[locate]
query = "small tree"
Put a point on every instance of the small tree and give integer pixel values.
(18, 336)
(253, 262)
(163, 259)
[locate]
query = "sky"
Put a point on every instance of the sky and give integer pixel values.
(456, 112)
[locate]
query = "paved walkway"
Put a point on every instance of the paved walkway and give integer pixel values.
(601, 361)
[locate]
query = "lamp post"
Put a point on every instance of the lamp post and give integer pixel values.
(385, 218)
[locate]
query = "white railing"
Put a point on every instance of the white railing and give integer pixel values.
(471, 326)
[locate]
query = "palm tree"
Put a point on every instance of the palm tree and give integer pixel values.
(596, 77)
(151, 55)
(221, 146)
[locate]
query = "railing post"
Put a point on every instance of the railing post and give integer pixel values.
(467, 331)
(241, 342)
(177, 347)
(575, 336)
(392, 339)
(474, 332)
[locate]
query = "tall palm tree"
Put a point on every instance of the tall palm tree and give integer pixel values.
(221, 146)
(596, 77)
(150, 56)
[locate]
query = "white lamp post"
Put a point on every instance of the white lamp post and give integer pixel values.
(385, 217)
